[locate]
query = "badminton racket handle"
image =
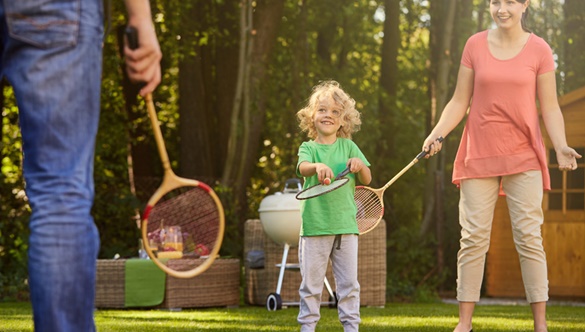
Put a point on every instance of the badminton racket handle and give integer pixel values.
(132, 38)
(424, 153)
(343, 173)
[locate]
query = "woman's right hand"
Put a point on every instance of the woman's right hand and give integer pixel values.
(432, 145)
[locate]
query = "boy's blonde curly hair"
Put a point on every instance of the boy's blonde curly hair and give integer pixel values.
(350, 118)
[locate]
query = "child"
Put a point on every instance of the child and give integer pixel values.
(329, 230)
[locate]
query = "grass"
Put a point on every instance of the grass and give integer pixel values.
(393, 317)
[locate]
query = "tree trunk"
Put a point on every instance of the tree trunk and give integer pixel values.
(388, 87)
(439, 95)
(234, 143)
(266, 19)
(574, 44)
(140, 154)
(482, 13)
(225, 66)
(195, 120)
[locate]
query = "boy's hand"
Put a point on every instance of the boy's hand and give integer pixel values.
(323, 172)
(355, 165)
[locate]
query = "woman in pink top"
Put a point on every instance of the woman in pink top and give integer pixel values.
(502, 72)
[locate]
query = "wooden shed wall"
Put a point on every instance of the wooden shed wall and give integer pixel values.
(564, 244)
(503, 276)
(573, 108)
(563, 234)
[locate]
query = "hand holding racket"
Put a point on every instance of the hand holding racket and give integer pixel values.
(183, 222)
(323, 188)
(370, 202)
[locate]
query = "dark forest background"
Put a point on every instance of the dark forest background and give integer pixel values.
(235, 72)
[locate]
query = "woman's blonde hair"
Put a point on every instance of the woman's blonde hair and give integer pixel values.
(349, 119)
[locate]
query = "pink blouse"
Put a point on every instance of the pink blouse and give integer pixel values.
(502, 134)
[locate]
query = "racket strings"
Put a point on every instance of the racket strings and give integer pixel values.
(320, 189)
(368, 203)
(369, 209)
(192, 210)
(197, 215)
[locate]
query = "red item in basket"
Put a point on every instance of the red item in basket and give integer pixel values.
(202, 250)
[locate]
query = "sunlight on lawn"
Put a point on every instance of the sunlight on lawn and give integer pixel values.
(240, 319)
(428, 317)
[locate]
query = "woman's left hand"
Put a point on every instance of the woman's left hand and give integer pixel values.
(567, 159)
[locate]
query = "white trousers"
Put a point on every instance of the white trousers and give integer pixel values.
(476, 211)
(315, 252)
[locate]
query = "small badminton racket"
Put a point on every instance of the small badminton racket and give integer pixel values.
(183, 222)
(370, 202)
(322, 189)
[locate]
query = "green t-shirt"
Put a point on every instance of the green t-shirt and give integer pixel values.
(333, 213)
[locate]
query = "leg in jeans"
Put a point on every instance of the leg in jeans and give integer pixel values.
(524, 196)
(344, 260)
(476, 211)
(52, 58)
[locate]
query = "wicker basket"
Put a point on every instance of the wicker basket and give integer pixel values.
(219, 286)
(372, 267)
(109, 287)
(261, 282)
(255, 289)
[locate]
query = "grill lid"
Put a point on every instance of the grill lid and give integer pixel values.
(283, 200)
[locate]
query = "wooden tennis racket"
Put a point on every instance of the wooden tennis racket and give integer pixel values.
(370, 201)
(183, 222)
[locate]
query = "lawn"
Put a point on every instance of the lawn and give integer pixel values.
(394, 317)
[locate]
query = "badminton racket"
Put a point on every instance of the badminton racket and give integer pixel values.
(370, 202)
(322, 188)
(183, 222)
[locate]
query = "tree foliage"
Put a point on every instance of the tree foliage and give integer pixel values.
(234, 75)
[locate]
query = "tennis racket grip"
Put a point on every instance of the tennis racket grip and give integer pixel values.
(424, 153)
(132, 37)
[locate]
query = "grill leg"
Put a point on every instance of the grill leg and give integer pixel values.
(282, 268)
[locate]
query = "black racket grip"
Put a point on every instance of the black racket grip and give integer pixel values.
(342, 174)
(424, 153)
(132, 37)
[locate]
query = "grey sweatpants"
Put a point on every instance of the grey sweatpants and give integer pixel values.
(314, 255)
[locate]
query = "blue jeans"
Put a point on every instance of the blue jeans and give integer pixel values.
(51, 53)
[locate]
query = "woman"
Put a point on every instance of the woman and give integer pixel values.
(502, 72)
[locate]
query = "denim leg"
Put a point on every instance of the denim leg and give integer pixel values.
(52, 55)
